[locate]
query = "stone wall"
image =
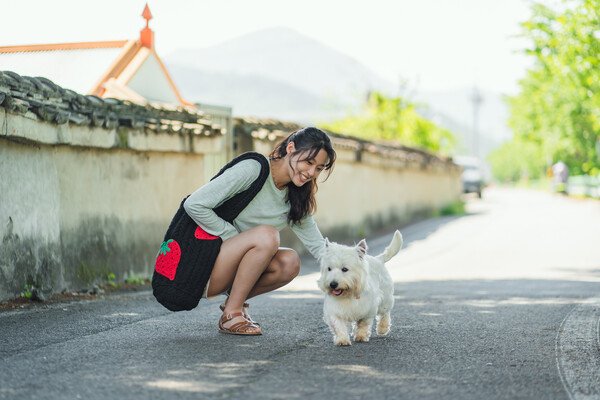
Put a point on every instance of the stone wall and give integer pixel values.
(70, 216)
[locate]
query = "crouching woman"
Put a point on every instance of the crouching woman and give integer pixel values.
(250, 261)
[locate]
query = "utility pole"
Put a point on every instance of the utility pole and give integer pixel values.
(476, 99)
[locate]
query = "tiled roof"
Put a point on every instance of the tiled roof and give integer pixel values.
(54, 104)
(274, 130)
(32, 48)
(263, 128)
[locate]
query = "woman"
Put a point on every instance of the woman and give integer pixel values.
(250, 261)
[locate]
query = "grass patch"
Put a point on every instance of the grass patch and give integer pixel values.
(137, 280)
(27, 292)
(455, 208)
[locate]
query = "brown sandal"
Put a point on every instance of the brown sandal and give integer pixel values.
(243, 327)
(245, 311)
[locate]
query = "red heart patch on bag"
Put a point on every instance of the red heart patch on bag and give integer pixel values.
(168, 258)
(203, 235)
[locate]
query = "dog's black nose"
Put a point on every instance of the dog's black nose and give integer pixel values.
(333, 284)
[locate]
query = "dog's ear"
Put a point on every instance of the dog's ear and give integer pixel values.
(362, 248)
(327, 242)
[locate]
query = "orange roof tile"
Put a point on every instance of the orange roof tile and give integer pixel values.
(63, 46)
(114, 70)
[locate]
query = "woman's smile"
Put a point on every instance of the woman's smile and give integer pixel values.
(304, 177)
(306, 170)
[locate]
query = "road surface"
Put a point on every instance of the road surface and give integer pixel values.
(502, 303)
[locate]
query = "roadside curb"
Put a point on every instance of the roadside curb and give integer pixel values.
(578, 351)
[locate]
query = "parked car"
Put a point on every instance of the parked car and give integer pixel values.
(473, 177)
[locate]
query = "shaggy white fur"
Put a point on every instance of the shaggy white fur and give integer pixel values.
(358, 289)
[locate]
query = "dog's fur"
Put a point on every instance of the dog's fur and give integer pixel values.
(358, 290)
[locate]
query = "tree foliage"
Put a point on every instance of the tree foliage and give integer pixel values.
(394, 119)
(517, 159)
(558, 107)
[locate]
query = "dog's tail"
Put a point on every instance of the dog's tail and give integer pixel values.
(393, 248)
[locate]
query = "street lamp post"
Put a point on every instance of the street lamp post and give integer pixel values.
(476, 99)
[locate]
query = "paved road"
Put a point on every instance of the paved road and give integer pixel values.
(500, 304)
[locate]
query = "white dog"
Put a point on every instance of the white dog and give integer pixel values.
(358, 289)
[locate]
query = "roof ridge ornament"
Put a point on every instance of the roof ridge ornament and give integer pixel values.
(146, 34)
(147, 14)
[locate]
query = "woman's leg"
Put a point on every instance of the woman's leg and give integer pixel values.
(283, 268)
(241, 262)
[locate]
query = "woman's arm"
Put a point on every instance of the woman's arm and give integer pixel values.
(310, 236)
(200, 204)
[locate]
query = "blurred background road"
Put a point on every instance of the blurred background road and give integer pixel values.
(501, 303)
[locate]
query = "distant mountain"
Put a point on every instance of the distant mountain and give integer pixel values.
(274, 69)
(283, 74)
(255, 95)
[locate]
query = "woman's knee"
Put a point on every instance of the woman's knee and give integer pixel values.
(288, 265)
(266, 236)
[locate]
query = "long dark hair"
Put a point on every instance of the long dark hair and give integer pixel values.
(307, 141)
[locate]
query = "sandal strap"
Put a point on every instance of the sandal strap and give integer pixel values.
(245, 307)
(245, 310)
(229, 317)
(244, 326)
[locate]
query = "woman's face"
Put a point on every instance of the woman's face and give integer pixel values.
(302, 170)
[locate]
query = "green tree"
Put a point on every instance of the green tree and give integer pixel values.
(517, 159)
(394, 119)
(558, 107)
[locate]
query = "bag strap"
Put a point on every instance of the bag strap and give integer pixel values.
(231, 208)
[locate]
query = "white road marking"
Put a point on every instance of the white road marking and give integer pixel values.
(578, 351)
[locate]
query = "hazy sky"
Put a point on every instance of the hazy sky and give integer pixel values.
(434, 44)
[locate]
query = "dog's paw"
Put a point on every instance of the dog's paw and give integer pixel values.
(361, 338)
(383, 331)
(342, 341)
(383, 327)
